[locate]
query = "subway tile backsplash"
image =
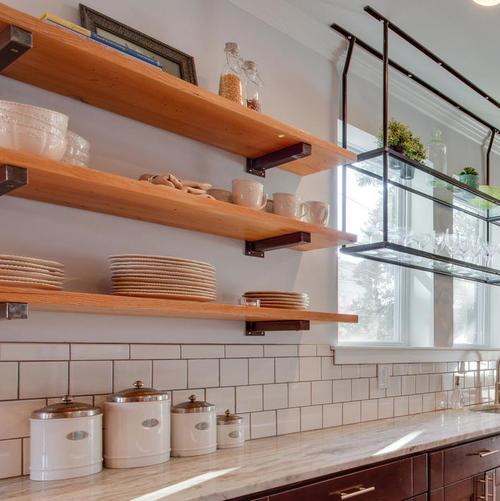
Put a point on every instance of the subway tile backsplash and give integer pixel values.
(278, 389)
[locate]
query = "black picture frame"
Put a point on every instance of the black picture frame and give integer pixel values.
(174, 61)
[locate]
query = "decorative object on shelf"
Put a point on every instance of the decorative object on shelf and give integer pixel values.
(254, 86)
(278, 299)
(288, 205)
(185, 185)
(33, 129)
(163, 277)
(470, 177)
(221, 195)
(437, 152)
(230, 431)
(172, 61)
(317, 212)
(248, 301)
(77, 150)
(21, 271)
(249, 193)
(232, 79)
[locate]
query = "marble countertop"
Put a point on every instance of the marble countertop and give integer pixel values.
(265, 463)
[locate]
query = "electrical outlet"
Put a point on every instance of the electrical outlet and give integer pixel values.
(383, 375)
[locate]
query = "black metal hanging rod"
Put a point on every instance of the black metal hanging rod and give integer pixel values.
(431, 55)
(349, 36)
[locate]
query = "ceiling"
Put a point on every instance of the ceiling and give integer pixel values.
(461, 32)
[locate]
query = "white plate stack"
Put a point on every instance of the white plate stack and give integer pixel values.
(20, 271)
(162, 277)
(276, 299)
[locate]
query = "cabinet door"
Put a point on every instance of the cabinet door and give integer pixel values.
(469, 489)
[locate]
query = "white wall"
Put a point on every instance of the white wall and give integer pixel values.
(301, 89)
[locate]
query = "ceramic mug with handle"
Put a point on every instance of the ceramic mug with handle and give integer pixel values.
(317, 212)
(249, 193)
(288, 205)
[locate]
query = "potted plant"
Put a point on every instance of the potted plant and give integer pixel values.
(401, 139)
(470, 177)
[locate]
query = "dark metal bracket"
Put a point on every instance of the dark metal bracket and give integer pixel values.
(257, 248)
(260, 328)
(13, 311)
(12, 177)
(14, 42)
(259, 165)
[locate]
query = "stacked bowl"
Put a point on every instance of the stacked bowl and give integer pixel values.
(20, 271)
(162, 277)
(33, 129)
(77, 150)
(277, 299)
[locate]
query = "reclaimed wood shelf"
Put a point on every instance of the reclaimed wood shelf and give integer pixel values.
(83, 188)
(107, 304)
(71, 65)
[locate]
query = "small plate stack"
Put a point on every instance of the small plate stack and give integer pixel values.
(276, 299)
(19, 271)
(162, 277)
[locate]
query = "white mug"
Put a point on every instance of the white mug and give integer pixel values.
(317, 212)
(249, 193)
(288, 205)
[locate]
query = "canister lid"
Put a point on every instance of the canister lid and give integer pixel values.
(67, 408)
(193, 406)
(228, 418)
(138, 393)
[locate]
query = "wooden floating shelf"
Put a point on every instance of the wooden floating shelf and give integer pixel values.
(68, 64)
(83, 188)
(107, 304)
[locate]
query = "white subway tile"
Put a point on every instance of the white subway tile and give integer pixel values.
(169, 374)
(350, 371)
(400, 369)
(453, 366)
(10, 458)
(484, 365)
(415, 405)
(155, 351)
(263, 424)
(408, 384)
(394, 387)
(440, 367)
(310, 368)
(26, 456)
(275, 396)
(341, 390)
(489, 378)
(307, 350)
(332, 415)
(360, 389)
(43, 379)
(324, 350)
(441, 400)
(249, 398)
(99, 351)
(311, 418)
(321, 392)
(470, 379)
(233, 371)
(422, 384)
(261, 370)
(413, 369)
(280, 350)
(369, 410)
(351, 412)
(288, 420)
(428, 402)
(34, 351)
(90, 377)
(427, 368)
(8, 376)
(179, 396)
(86, 399)
(244, 350)
(435, 382)
(368, 370)
(385, 408)
(287, 370)
(388, 366)
(127, 372)
(14, 416)
(447, 381)
(222, 398)
(375, 391)
(246, 424)
(299, 394)
(203, 373)
(400, 406)
(329, 370)
(202, 351)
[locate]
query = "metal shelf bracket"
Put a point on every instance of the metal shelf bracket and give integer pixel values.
(13, 311)
(14, 42)
(257, 248)
(12, 177)
(259, 165)
(260, 328)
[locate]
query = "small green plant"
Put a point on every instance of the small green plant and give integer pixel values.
(401, 137)
(469, 171)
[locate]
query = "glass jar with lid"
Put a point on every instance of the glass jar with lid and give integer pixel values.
(232, 79)
(254, 86)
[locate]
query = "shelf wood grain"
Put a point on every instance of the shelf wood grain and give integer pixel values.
(68, 64)
(83, 188)
(107, 304)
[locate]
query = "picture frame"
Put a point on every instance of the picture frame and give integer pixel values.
(174, 61)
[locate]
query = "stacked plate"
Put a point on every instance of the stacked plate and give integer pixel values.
(162, 277)
(19, 271)
(276, 299)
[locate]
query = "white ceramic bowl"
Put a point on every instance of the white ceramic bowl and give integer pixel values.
(77, 150)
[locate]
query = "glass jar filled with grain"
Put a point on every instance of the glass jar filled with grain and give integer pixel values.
(254, 86)
(232, 79)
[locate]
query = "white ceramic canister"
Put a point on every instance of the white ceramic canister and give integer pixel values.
(230, 432)
(136, 427)
(193, 428)
(66, 441)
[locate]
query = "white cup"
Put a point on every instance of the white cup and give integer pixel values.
(317, 212)
(249, 193)
(288, 205)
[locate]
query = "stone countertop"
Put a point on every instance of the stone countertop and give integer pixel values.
(266, 463)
